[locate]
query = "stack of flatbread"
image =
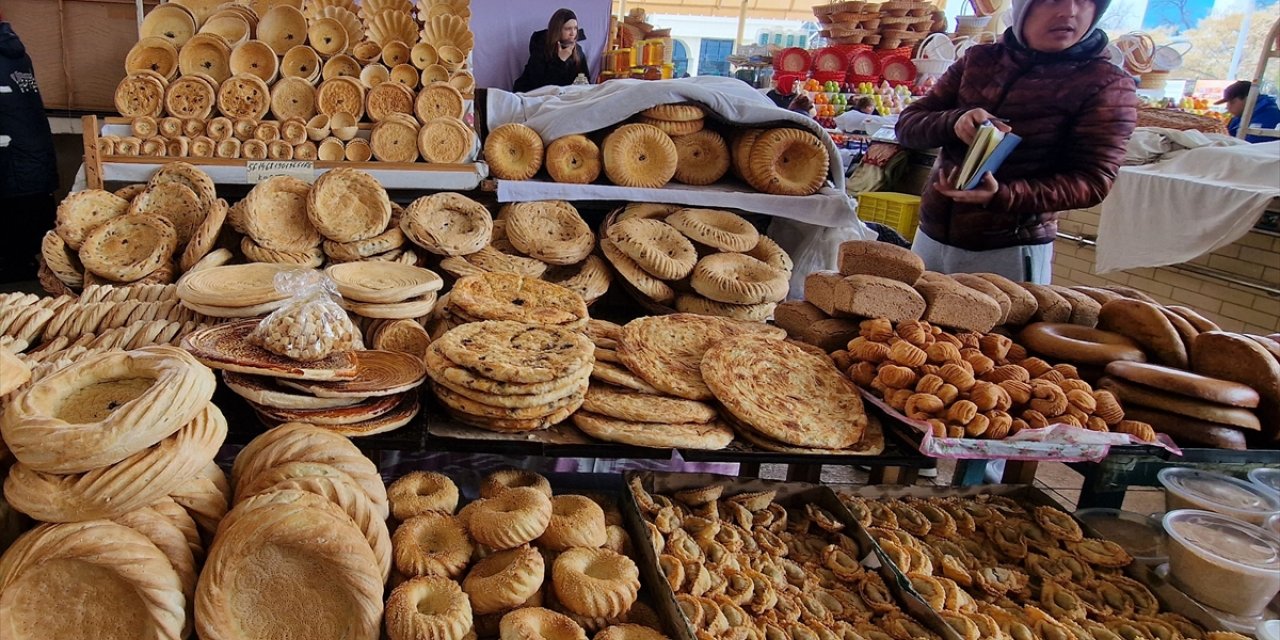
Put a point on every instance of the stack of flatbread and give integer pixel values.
(144, 233)
(234, 291)
(309, 529)
(510, 376)
(704, 261)
(506, 296)
(116, 452)
(647, 386)
(386, 290)
(547, 240)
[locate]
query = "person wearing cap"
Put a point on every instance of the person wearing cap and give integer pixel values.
(1049, 81)
(28, 163)
(1266, 115)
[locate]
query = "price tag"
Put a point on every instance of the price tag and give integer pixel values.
(259, 170)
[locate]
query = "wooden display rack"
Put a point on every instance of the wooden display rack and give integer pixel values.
(420, 176)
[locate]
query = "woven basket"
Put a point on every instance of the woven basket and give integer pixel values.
(1180, 120)
(1153, 80)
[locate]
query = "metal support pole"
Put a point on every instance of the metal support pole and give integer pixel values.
(742, 26)
(141, 11)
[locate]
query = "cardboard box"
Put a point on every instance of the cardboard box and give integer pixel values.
(78, 47)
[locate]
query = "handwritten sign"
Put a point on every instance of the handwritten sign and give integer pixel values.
(259, 170)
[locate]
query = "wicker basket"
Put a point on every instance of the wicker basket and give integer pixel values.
(1180, 120)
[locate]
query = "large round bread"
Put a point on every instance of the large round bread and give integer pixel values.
(785, 392)
(622, 404)
(517, 352)
(123, 585)
(299, 442)
(788, 162)
(683, 435)
(1233, 357)
(130, 247)
(507, 296)
(1063, 342)
(667, 351)
(513, 151)
(106, 408)
(639, 155)
(278, 547)
(551, 231)
(1187, 431)
(348, 205)
(1185, 383)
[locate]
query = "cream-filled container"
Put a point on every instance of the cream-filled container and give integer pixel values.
(1194, 489)
(1222, 562)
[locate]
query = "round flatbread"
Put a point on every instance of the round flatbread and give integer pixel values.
(507, 296)
(630, 406)
(696, 435)
(667, 351)
(129, 248)
(81, 212)
(785, 393)
(448, 224)
(517, 352)
(348, 205)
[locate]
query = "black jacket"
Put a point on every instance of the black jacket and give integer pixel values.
(542, 71)
(28, 164)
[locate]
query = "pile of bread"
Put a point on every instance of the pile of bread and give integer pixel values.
(203, 78)
(518, 562)
(308, 530)
(885, 25)
(545, 239)
(141, 234)
(1191, 388)
(115, 453)
(748, 564)
(662, 381)
(664, 143)
(994, 567)
(703, 261)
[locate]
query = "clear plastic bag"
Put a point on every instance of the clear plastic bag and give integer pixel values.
(813, 248)
(311, 325)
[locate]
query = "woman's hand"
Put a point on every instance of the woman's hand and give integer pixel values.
(980, 196)
(967, 125)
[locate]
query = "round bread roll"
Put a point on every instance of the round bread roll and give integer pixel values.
(573, 159)
(1185, 383)
(499, 481)
(512, 518)
(576, 521)
(428, 607)
(432, 544)
(421, 492)
(514, 152)
(505, 580)
(596, 583)
(536, 623)
(639, 155)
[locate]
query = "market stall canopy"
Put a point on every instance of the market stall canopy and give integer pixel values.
(764, 9)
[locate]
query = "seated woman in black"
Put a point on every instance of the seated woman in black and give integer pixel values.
(554, 55)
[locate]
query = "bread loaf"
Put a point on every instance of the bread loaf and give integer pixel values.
(1187, 431)
(873, 258)
(1050, 307)
(1022, 305)
(1185, 383)
(1233, 357)
(1101, 296)
(955, 306)
(982, 286)
(820, 290)
(1135, 395)
(1144, 323)
(796, 316)
(875, 297)
(831, 334)
(1131, 293)
(1084, 310)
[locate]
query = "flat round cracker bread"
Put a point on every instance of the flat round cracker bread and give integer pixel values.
(190, 97)
(80, 212)
(448, 224)
(293, 98)
(129, 248)
(348, 205)
(785, 393)
(173, 201)
(506, 296)
(619, 376)
(448, 373)
(140, 94)
(275, 215)
(438, 100)
(244, 96)
(620, 404)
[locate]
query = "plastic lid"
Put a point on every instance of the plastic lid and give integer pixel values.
(1142, 536)
(1224, 539)
(1267, 478)
(1273, 525)
(1269, 630)
(1219, 489)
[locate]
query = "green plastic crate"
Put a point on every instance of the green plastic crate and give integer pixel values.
(898, 210)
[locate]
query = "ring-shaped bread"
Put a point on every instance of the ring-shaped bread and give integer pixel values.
(499, 481)
(106, 408)
(536, 623)
(420, 492)
(596, 583)
(512, 518)
(576, 521)
(551, 231)
(434, 544)
(1079, 344)
(505, 580)
(722, 230)
(428, 608)
(737, 278)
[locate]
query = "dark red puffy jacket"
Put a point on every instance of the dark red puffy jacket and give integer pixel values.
(1074, 111)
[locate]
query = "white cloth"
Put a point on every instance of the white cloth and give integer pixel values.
(1178, 210)
(555, 112)
(1023, 263)
(1154, 144)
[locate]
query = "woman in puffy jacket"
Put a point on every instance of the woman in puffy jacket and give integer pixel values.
(1050, 82)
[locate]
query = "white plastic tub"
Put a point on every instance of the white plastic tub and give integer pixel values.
(1222, 562)
(1217, 492)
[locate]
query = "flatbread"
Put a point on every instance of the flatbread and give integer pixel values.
(667, 350)
(785, 393)
(517, 352)
(619, 376)
(711, 435)
(630, 406)
(447, 373)
(506, 296)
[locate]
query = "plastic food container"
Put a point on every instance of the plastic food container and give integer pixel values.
(1217, 492)
(1142, 536)
(1273, 525)
(1269, 630)
(1222, 562)
(1266, 478)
